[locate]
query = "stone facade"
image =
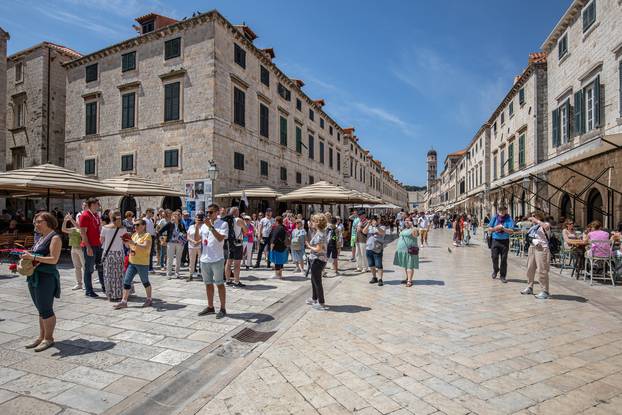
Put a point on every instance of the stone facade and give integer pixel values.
(36, 106)
(218, 66)
(4, 37)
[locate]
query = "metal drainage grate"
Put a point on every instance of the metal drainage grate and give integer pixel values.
(247, 335)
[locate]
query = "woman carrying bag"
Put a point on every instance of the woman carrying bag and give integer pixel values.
(112, 236)
(407, 252)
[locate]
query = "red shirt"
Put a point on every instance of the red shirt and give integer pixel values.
(92, 223)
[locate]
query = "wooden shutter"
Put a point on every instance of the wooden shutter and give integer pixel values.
(568, 118)
(579, 113)
(556, 129)
(597, 102)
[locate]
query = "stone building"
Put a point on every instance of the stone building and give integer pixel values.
(36, 106)
(163, 104)
(4, 37)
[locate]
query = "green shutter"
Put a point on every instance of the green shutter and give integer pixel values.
(597, 102)
(579, 113)
(284, 131)
(556, 130)
(568, 118)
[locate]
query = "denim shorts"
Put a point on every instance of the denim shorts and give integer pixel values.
(213, 272)
(132, 270)
(374, 259)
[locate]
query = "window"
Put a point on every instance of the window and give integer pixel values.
(89, 167)
(511, 157)
(18, 156)
(239, 55)
(494, 166)
(298, 104)
(264, 76)
(562, 46)
(587, 108)
(91, 118)
(502, 117)
(19, 72)
(330, 129)
(322, 152)
(264, 114)
(502, 161)
(127, 162)
(565, 122)
(311, 148)
(172, 48)
(321, 122)
(128, 62)
(283, 174)
(481, 171)
(238, 161)
(590, 108)
(284, 92)
(511, 109)
(311, 180)
(171, 158)
(330, 157)
(338, 161)
(148, 26)
(521, 150)
(298, 140)
(171, 101)
(338, 136)
(521, 96)
(263, 168)
(91, 73)
(283, 130)
(19, 111)
(589, 15)
(311, 114)
(298, 177)
(128, 110)
(494, 128)
(239, 107)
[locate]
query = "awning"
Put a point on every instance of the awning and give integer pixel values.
(265, 192)
(325, 193)
(137, 186)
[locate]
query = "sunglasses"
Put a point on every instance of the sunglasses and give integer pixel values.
(211, 212)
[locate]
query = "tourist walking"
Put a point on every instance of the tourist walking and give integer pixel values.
(249, 241)
(374, 249)
(354, 222)
(165, 217)
(278, 247)
(234, 247)
(297, 246)
(407, 251)
(44, 283)
(175, 240)
(112, 237)
(317, 258)
(151, 230)
(332, 245)
(538, 255)
(213, 234)
(138, 263)
(361, 241)
(265, 228)
(500, 227)
(90, 229)
(77, 257)
(424, 226)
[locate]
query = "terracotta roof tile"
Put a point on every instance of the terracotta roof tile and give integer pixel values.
(269, 52)
(537, 57)
(299, 82)
(319, 102)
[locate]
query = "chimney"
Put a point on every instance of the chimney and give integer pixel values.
(246, 31)
(319, 102)
(152, 22)
(349, 131)
(269, 52)
(299, 83)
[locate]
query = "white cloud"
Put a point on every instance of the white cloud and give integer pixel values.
(386, 116)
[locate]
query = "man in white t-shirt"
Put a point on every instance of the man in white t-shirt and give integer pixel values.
(424, 225)
(265, 227)
(213, 234)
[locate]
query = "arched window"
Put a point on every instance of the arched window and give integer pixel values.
(594, 206)
(565, 207)
(171, 202)
(127, 203)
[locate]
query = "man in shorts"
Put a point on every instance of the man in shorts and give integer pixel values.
(213, 234)
(424, 225)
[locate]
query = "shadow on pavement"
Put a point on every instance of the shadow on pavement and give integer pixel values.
(79, 347)
(164, 306)
(565, 297)
(428, 282)
(8, 276)
(515, 280)
(260, 287)
(251, 317)
(348, 308)
(295, 278)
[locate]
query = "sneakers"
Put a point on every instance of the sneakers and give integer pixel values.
(543, 295)
(148, 303)
(319, 307)
(92, 295)
(359, 270)
(310, 301)
(207, 310)
(493, 275)
(527, 291)
(374, 280)
(239, 284)
(503, 280)
(230, 283)
(380, 283)
(120, 305)
(76, 287)
(222, 313)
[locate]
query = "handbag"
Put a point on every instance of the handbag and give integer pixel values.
(413, 250)
(26, 267)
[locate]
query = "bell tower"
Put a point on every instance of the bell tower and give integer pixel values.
(432, 164)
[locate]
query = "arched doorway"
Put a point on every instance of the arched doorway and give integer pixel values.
(594, 206)
(171, 202)
(127, 203)
(565, 207)
(522, 204)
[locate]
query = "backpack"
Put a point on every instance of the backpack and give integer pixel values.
(331, 236)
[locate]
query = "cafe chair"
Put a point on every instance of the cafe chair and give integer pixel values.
(599, 267)
(566, 259)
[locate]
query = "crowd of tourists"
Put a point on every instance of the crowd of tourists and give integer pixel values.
(214, 244)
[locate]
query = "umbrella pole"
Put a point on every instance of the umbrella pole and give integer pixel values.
(47, 201)
(73, 202)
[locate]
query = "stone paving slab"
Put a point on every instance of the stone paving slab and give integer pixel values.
(457, 342)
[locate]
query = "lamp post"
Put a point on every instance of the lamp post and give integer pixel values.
(212, 174)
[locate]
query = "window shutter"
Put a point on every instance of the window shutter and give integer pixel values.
(579, 113)
(620, 85)
(568, 118)
(597, 101)
(556, 131)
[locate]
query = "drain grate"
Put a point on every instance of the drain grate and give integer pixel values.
(247, 335)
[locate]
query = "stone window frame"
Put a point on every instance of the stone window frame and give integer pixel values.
(122, 94)
(181, 49)
(95, 167)
(18, 101)
(20, 65)
(133, 154)
(86, 70)
(89, 99)
(135, 68)
(242, 86)
(263, 163)
(172, 80)
(179, 166)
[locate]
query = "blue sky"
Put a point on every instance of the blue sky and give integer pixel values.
(408, 75)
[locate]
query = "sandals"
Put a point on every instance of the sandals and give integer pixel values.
(44, 345)
(33, 344)
(409, 284)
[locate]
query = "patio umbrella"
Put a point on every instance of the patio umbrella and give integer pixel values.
(258, 192)
(323, 193)
(137, 186)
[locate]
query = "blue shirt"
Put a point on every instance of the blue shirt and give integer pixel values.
(507, 223)
(187, 222)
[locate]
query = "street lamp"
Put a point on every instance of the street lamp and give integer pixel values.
(212, 174)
